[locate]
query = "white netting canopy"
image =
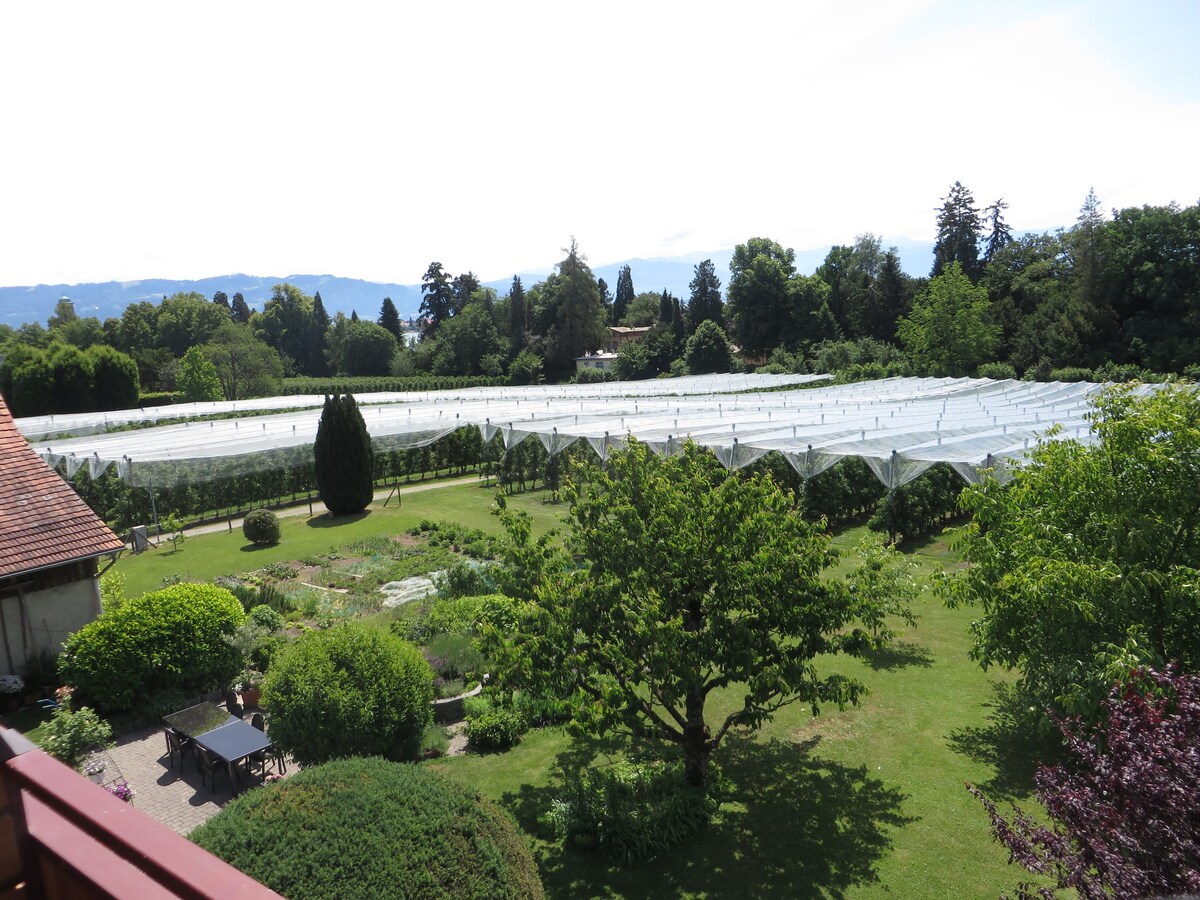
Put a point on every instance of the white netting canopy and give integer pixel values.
(898, 426)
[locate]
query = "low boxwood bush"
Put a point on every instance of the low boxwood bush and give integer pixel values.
(261, 526)
(350, 690)
(369, 828)
(496, 729)
(154, 649)
(633, 810)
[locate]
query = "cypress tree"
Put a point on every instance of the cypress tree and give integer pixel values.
(342, 457)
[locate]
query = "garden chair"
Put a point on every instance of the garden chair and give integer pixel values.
(209, 765)
(177, 743)
(273, 753)
(232, 705)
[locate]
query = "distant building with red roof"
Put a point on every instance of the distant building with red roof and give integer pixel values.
(50, 542)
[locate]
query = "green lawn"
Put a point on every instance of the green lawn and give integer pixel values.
(203, 557)
(867, 802)
(863, 803)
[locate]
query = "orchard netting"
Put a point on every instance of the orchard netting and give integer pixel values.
(899, 427)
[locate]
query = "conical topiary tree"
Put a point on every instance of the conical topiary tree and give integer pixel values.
(344, 464)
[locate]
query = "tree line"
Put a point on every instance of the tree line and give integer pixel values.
(1109, 298)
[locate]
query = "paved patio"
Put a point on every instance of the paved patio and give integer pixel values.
(173, 796)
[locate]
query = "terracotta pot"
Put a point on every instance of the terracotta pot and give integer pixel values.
(250, 697)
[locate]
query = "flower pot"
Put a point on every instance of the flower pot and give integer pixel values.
(250, 697)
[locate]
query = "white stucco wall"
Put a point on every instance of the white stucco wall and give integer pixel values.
(52, 614)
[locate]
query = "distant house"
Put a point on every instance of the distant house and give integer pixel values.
(602, 361)
(50, 543)
(620, 335)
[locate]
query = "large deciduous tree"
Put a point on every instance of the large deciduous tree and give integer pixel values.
(197, 379)
(1084, 567)
(949, 331)
(246, 366)
(344, 465)
(761, 300)
(695, 580)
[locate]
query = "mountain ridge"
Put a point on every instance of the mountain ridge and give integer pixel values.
(35, 303)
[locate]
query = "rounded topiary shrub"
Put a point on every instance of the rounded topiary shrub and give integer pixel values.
(155, 650)
(351, 690)
(371, 828)
(261, 526)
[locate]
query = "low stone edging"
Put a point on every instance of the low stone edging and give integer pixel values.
(451, 709)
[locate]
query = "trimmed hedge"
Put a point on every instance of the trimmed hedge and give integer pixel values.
(368, 828)
(155, 651)
(351, 690)
(369, 384)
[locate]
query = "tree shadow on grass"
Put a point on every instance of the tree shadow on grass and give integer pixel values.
(794, 825)
(899, 655)
(329, 520)
(1012, 742)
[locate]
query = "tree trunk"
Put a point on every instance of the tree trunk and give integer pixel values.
(696, 746)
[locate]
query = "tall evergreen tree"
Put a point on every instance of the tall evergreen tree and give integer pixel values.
(705, 304)
(240, 311)
(624, 295)
(666, 312)
(518, 315)
(389, 318)
(999, 232)
(320, 316)
(353, 315)
(578, 313)
(959, 227)
(678, 324)
(342, 457)
(606, 298)
(893, 295)
(221, 299)
(437, 298)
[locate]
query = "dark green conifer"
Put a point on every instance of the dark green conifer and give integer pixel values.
(344, 463)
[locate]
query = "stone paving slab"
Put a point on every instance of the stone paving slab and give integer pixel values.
(174, 796)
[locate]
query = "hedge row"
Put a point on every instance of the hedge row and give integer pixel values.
(370, 384)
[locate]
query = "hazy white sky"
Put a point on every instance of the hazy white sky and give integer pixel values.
(152, 139)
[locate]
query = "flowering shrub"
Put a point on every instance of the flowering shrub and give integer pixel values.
(11, 684)
(121, 791)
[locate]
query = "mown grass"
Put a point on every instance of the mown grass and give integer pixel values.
(867, 802)
(862, 803)
(203, 557)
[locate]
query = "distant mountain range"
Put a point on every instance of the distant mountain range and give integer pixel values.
(35, 304)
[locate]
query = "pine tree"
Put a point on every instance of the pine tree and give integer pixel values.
(705, 304)
(959, 227)
(221, 299)
(518, 315)
(342, 457)
(320, 317)
(437, 298)
(353, 315)
(389, 318)
(999, 232)
(624, 296)
(666, 312)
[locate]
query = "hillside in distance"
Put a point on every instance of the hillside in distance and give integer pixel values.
(19, 305)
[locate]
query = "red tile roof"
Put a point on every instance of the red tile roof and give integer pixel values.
(42, 520)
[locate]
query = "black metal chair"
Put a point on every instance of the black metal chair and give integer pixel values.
(274, 754)
(232, 705)
(177, 743)
(209, 765)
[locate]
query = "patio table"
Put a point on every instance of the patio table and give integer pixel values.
(196, 720)
(225, 736)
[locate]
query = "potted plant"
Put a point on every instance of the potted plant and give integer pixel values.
(120, 790)
(250, 687)
(94, 769)
(11, 688)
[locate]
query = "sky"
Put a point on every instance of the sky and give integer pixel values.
(168, 140)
